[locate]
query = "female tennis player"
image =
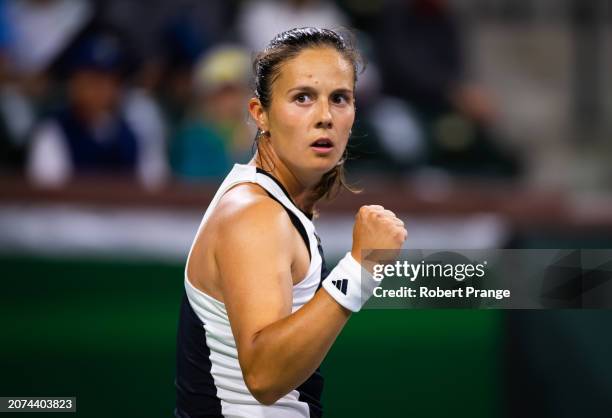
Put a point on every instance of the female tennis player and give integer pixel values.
(260, 309)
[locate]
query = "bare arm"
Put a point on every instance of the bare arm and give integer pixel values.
(277, 350)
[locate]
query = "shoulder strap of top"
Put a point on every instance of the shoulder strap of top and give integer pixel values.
(282, 188)
(274, 187)
(296, 223)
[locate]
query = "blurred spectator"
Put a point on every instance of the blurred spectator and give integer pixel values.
(16, 120)
(259, 21)
(216, 133)
(91, 135)
(168, 40)
(179, 49)
(41, 30)
(11, 127)
(33, 32)
(145, 117)
(422, 62)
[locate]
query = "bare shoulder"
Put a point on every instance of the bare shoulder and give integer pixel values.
(247, 212)
(245, 224)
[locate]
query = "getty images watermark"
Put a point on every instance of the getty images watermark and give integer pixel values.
(485, 279)
(412, 272)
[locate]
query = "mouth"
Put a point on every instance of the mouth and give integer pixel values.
(322, 145)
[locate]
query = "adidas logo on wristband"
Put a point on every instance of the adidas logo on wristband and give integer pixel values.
(337, 284)
(341, 285)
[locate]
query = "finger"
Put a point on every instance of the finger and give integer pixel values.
(389, 213)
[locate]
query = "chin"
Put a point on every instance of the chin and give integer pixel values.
(323, 165)
(322, 169)
(313, 171)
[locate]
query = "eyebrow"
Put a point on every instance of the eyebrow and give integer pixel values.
(310, 89)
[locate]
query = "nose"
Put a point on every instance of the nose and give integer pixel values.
(324, 117)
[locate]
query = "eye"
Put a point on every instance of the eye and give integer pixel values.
(341, 98)
(302, 98)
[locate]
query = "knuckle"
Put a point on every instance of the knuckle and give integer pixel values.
(365, 210)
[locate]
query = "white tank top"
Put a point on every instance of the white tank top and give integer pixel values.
(235, 398)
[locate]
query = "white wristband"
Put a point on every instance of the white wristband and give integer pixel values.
(349, 284)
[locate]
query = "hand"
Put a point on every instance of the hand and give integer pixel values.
(377, 229)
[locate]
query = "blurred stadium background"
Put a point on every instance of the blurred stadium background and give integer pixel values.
(483, 123)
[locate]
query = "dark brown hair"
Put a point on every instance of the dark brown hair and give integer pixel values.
(266, 68)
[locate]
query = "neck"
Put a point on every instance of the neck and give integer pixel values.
(300, 191)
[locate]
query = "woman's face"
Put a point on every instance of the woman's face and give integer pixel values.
(312, 111)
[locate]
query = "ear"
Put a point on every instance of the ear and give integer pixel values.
(258, 114)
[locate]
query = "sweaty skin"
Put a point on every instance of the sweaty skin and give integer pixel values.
(249, 254)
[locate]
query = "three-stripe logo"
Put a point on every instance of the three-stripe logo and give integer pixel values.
(341, 285)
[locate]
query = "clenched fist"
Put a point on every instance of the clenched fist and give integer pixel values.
(376, 229)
